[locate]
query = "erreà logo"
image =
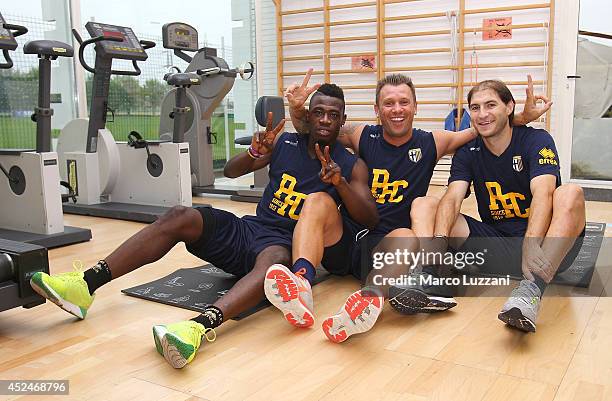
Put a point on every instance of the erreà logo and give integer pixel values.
(547, 157)
(415, 155)
(547, 153)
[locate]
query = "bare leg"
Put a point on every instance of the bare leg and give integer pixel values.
(289, 289)
(249, 290)
(417, 295)
(567, 223)
(568, 220)
(177, 342)
(319, 226)
(423, 216)
(179, 224)
(401, 241)
(423, 219)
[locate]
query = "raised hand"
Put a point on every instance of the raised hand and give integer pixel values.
(263, 141)
(298, 94)
(532, 111)
(330, 171)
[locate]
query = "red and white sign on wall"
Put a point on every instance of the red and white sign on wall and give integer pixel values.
(363, 63)
(494, 28)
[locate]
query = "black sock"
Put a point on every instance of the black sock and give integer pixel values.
(302, 263)
(540, 283)
(211, 318)
(97, 276)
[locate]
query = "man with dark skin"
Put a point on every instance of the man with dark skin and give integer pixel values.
(247, 246)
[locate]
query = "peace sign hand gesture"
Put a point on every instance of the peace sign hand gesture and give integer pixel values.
(263, 141)
(298, 94)
(330, 171)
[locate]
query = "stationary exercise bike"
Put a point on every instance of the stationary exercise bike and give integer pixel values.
(138, 180)
(30, 196)
(201, 101)
(18, 261)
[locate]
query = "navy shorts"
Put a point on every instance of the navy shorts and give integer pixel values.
(232, 243)
(353, 252)
(505, 251)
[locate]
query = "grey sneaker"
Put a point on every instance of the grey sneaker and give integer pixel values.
(425, 296)
(521, 309)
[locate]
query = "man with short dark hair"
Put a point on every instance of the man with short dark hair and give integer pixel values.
(516, 177)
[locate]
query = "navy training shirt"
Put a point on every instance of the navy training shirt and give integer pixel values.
(502, 183)
(397, 174)
(293, 175)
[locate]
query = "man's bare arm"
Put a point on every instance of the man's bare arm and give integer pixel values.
(299, 119)
(349, 136)
(449, 207)
(447, 142)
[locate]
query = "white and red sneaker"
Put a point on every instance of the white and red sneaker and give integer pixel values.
(357, 315)
(291, 293)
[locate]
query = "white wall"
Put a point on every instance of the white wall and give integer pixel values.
(245, 92)
(564, 64)
(265, 16)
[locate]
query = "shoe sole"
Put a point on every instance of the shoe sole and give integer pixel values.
(339, 327)
(515, 318)
(165, 343)
(413, 301)
(296, 313)
(47, 292)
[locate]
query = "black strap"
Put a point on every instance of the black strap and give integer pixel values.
(112, 111)
(71, 195)
(136, 141)
(8, 176)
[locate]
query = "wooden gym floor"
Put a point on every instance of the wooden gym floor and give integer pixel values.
(464, 354)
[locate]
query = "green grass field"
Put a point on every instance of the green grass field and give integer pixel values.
(18, 133)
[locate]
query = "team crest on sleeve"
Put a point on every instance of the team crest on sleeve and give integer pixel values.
(415, 155)
(547, 156)
(517, 163)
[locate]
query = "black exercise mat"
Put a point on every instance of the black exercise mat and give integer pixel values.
(580, 273)
(197, 287)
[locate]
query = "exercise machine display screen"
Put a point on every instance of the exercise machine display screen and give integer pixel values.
(114, 34)
(7, 41)
(180, 36)
(128, 49)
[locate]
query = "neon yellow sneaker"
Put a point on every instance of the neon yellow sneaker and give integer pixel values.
(69, 290)
(179, 342)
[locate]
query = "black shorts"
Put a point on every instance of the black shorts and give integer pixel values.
(353, 252)
(232, 243)
(504, 253)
